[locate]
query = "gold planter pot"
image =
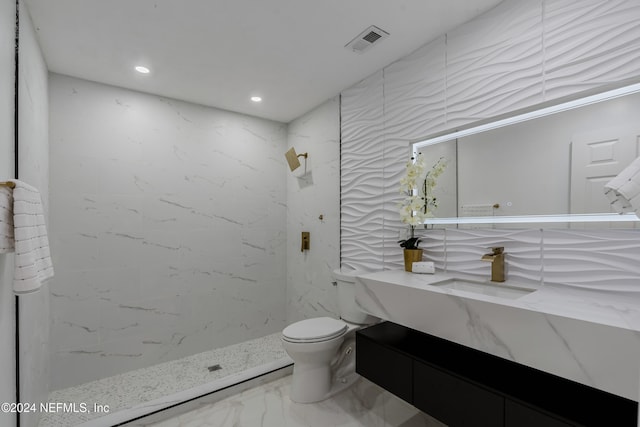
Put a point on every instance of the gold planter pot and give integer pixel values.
(411, 256)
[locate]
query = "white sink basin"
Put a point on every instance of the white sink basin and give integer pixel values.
(484, 288)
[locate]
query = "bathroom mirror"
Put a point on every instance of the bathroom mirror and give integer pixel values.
(548, 165)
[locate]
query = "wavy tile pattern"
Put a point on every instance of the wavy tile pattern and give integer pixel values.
(414, 93)
(414, 106)
(523, 249)
(587, 259)
(361, 166)
(494, 63)
(519, 54)
(593, 259)
(433, 246)
(590, 45)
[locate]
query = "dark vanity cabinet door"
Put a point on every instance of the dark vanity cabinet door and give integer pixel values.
(519, 415)
(386, 367)
(454, 401)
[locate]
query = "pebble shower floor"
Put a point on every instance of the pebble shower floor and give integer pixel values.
(143, 386)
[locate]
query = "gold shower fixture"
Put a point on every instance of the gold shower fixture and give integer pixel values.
(292, 158)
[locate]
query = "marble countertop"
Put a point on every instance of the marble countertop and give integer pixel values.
(585, 335)
(617, 309)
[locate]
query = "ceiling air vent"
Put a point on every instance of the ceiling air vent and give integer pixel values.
(366, 39)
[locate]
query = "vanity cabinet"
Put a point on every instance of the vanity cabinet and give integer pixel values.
(519, 415)
(461, 386)
(443, 396)
(397, 375)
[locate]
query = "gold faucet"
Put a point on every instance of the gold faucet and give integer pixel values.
(496, 258)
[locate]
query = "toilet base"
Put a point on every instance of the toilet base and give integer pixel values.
(301, 392)
(317, 382)
(310, 384)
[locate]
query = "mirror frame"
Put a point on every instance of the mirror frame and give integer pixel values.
(518, 118)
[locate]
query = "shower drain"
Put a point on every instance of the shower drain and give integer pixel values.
(214, 368)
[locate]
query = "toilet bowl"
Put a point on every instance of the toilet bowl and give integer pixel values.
(323, 348)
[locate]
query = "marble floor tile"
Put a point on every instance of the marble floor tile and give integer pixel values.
(268, 405)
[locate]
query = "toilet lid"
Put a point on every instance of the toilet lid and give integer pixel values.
(314, 330)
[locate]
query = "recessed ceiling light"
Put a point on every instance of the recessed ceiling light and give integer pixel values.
(256, 99)
(142, 70)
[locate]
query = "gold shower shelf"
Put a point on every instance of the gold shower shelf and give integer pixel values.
(7, 184)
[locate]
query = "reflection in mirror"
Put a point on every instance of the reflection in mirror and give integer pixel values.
(445, 190)
(554, 165)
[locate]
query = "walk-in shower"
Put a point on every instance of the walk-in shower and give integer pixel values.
(168, 227)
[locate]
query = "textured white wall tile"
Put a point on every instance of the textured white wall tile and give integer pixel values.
(168, 225)
(361, 179)
(589, 44)
(414, 93)
(501, 61)
(494, 63)
(598, 259)
(414, 107)
(523, 252)
(433, 246)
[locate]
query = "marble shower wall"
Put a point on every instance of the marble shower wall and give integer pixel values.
(33, 167)
(309, 195)
(519, 54)
(168, 229)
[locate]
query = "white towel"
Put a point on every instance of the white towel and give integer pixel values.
(6, 220)
(623, 191)
(32, 260)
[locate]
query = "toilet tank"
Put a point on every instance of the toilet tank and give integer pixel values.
(349, 311)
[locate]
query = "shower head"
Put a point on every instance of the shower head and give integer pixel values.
(292, 158)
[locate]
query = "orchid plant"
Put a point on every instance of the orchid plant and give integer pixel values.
(417, 186)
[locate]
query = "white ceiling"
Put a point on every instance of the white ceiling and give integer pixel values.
(221, 52)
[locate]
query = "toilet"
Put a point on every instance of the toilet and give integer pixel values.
(323, 348)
